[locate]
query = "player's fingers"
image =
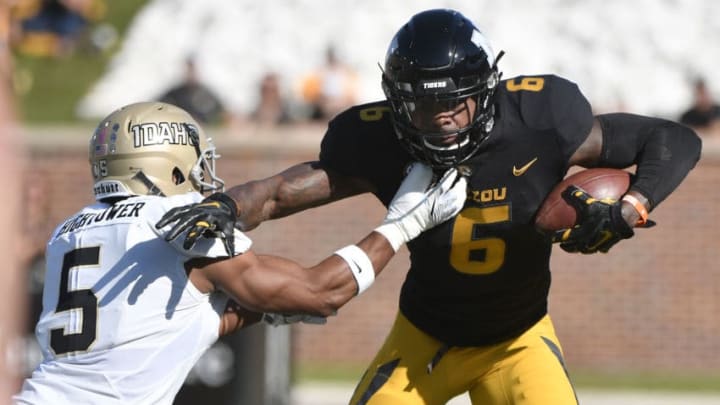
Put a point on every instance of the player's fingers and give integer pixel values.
(605, 247)
(181, 225)
(200, 227)
(599, 241)
(195, 232)
(189, 243)
(577, 197)
(418, 179)
(229, 245)
(571, 239)
(447, 180)
(314, 320)
(228, 228)
(569, 247)
(170, 216)
(561, 235)
(460, 188)
(228, 234)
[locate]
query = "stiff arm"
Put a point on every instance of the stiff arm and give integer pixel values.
(303, 186)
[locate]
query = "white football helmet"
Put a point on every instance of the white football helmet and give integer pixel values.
(151, 148)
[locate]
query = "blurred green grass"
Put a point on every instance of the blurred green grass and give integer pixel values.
(645, 381)
(48, 89)
(648, 381)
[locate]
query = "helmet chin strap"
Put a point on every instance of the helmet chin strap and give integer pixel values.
(449, 147)
(152, 188)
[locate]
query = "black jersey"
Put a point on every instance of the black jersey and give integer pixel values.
(484, 276)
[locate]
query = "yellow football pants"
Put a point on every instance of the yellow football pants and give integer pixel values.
(413, 368)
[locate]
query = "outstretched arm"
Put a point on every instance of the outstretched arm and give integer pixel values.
(277, 285)
(266, 283)
(298, 188)
(274, 284)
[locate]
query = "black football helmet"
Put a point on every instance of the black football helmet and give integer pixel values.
(436, 61)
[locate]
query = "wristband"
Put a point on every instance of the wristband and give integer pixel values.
(393, 234)
(360, 266)
(639, 207)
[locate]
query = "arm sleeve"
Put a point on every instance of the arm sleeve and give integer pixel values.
(664, 151)
(340, 149)
(559, 106)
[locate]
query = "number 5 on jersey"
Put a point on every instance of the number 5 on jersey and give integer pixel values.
(82, 301)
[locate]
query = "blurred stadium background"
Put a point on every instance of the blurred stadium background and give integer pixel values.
(645, 317)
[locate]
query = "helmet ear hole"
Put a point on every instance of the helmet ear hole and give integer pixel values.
(178, 176)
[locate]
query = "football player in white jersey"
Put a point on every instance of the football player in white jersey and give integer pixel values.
(126, 314)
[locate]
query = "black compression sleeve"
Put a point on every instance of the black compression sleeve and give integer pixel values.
(664, 151)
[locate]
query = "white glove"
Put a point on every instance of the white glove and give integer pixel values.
(286, 319)
(415, 209)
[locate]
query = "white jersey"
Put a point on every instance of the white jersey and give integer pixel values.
(121, 323)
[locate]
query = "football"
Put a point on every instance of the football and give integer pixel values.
(555, 213)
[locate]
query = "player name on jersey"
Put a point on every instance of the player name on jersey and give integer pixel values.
(115, 211)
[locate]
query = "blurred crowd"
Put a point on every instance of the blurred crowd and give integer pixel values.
(60, 28)
(703, 115)
(318, 95)
(55, 28)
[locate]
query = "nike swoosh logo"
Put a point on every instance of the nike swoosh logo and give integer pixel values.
(522, 170)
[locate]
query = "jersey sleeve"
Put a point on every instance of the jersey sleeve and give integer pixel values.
(361, 143)
(341, 148)
(554, 103)
(204, 247)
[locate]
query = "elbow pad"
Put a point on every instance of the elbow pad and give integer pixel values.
(664, 152)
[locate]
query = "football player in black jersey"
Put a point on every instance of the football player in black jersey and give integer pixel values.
(473, 308)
